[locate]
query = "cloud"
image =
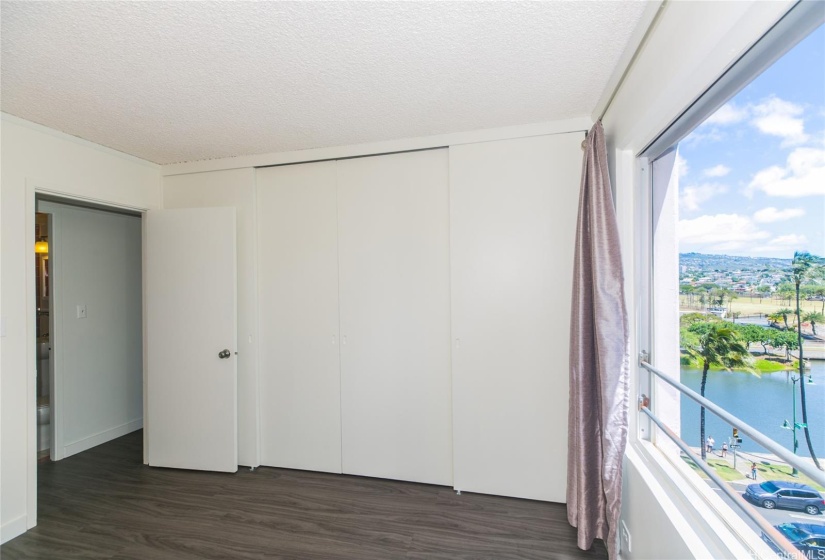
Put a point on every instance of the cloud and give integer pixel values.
(772, 116)
(716, 171)
(728, 113)
(789, 240)
(681, 165)
(802, 175)
(720, 232)
(783, 244)
(692, 196)
(771, 214)
(780, 118)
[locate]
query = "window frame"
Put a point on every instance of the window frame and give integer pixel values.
(684, 487)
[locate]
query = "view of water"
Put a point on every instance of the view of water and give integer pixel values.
(763, 402)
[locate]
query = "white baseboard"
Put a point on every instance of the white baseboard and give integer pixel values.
(102, 437)
(13, 528)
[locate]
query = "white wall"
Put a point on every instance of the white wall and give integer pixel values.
(34, 157)
(95, 260)
(235, 188)
(692, 44)
(658, 537)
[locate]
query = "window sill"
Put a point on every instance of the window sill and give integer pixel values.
(709, 527)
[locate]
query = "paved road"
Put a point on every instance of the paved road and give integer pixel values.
(774, 516)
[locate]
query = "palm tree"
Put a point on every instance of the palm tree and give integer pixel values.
(813, 318)
(819, 291)
(804, 265)
(716, 344)
(774, 318)
(784, 313)
(731, 296)
(785, 293)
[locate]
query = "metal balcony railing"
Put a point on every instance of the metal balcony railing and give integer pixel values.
(788, 550)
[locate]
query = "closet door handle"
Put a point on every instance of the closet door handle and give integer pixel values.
(224, 354)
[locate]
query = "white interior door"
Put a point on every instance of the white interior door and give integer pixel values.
(393, 238)
(190, 319)
(298, 317)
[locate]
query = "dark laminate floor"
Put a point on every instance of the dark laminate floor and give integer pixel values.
(104, 503)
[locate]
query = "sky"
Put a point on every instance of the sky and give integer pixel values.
(752, 176)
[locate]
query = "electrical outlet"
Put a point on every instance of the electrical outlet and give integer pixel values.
(81, 311)
(625, 538)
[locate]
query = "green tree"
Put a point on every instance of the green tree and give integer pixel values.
(785, 312)
(786, 340)
(774, 318)
(804, 266)
(814, 317)
(689, 319)
(785, 291)
(819, 292)
(714, 344)
(753, 334)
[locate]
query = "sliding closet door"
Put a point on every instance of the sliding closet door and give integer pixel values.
(298, 317)
(513, 218)
(393, 227)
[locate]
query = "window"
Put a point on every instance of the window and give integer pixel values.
(738, 185)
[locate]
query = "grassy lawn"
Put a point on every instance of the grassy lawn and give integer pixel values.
(766, 366)
(783, 472)
(721, 467)
(767, 471)
(748, 306)
(762, 365)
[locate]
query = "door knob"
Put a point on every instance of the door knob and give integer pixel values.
(223, 354)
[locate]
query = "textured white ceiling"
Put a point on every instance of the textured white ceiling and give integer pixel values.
(185, 81)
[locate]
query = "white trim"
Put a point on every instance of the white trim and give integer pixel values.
(144, 332)
(102, 437)
(13, 528)
(45, 188)
(76, 140)
(575, 124)
(31, 365)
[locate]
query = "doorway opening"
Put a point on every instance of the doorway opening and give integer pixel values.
(89, 325)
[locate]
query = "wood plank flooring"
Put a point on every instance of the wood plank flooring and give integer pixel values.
(104, 503)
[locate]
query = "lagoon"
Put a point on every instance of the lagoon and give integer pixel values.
(764, 402)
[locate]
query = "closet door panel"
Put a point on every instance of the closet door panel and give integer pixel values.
(513, 208)
(298, 317)
(395, 316)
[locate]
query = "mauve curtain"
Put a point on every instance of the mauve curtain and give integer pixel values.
(599, 389)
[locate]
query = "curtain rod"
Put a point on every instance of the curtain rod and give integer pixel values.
(638, 50)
